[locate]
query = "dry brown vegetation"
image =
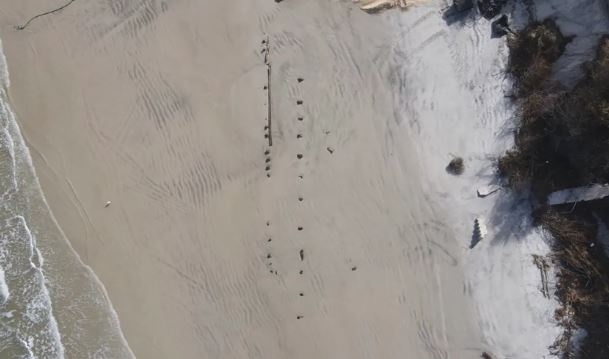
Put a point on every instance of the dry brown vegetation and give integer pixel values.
(563, 141)
(583, 283)
(532, 53)
(456, 166)
(563, 135)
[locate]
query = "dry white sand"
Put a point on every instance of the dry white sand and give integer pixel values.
(160, 108)
(452, 101)
(451, 98)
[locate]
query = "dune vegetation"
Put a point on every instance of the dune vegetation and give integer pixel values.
(562, 141)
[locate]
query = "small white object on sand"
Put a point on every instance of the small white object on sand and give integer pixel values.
(487, 190)
(108, 204)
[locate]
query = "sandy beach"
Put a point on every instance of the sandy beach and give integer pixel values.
(319, 224)
(160, 108)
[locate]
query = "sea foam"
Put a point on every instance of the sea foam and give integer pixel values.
(39, 290)
(28, 328)
(4, 293)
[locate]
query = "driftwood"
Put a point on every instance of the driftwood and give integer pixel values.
(21, 27)
(579, 194)
(376, 5)
(543, 266)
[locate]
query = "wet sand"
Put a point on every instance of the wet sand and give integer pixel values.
(217, 244)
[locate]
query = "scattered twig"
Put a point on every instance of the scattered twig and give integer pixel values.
(21, 27)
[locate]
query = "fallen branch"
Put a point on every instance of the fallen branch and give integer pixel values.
(543, 266)
(21, 27)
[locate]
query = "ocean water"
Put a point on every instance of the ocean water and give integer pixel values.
(51, 304)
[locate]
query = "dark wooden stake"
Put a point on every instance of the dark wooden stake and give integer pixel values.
(267, 62)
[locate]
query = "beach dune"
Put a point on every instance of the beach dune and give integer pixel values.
(216, 244)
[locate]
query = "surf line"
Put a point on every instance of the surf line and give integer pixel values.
(267, 62)
(22, 27)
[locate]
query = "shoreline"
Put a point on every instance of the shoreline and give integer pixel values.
(36, 303)
(179, 168)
